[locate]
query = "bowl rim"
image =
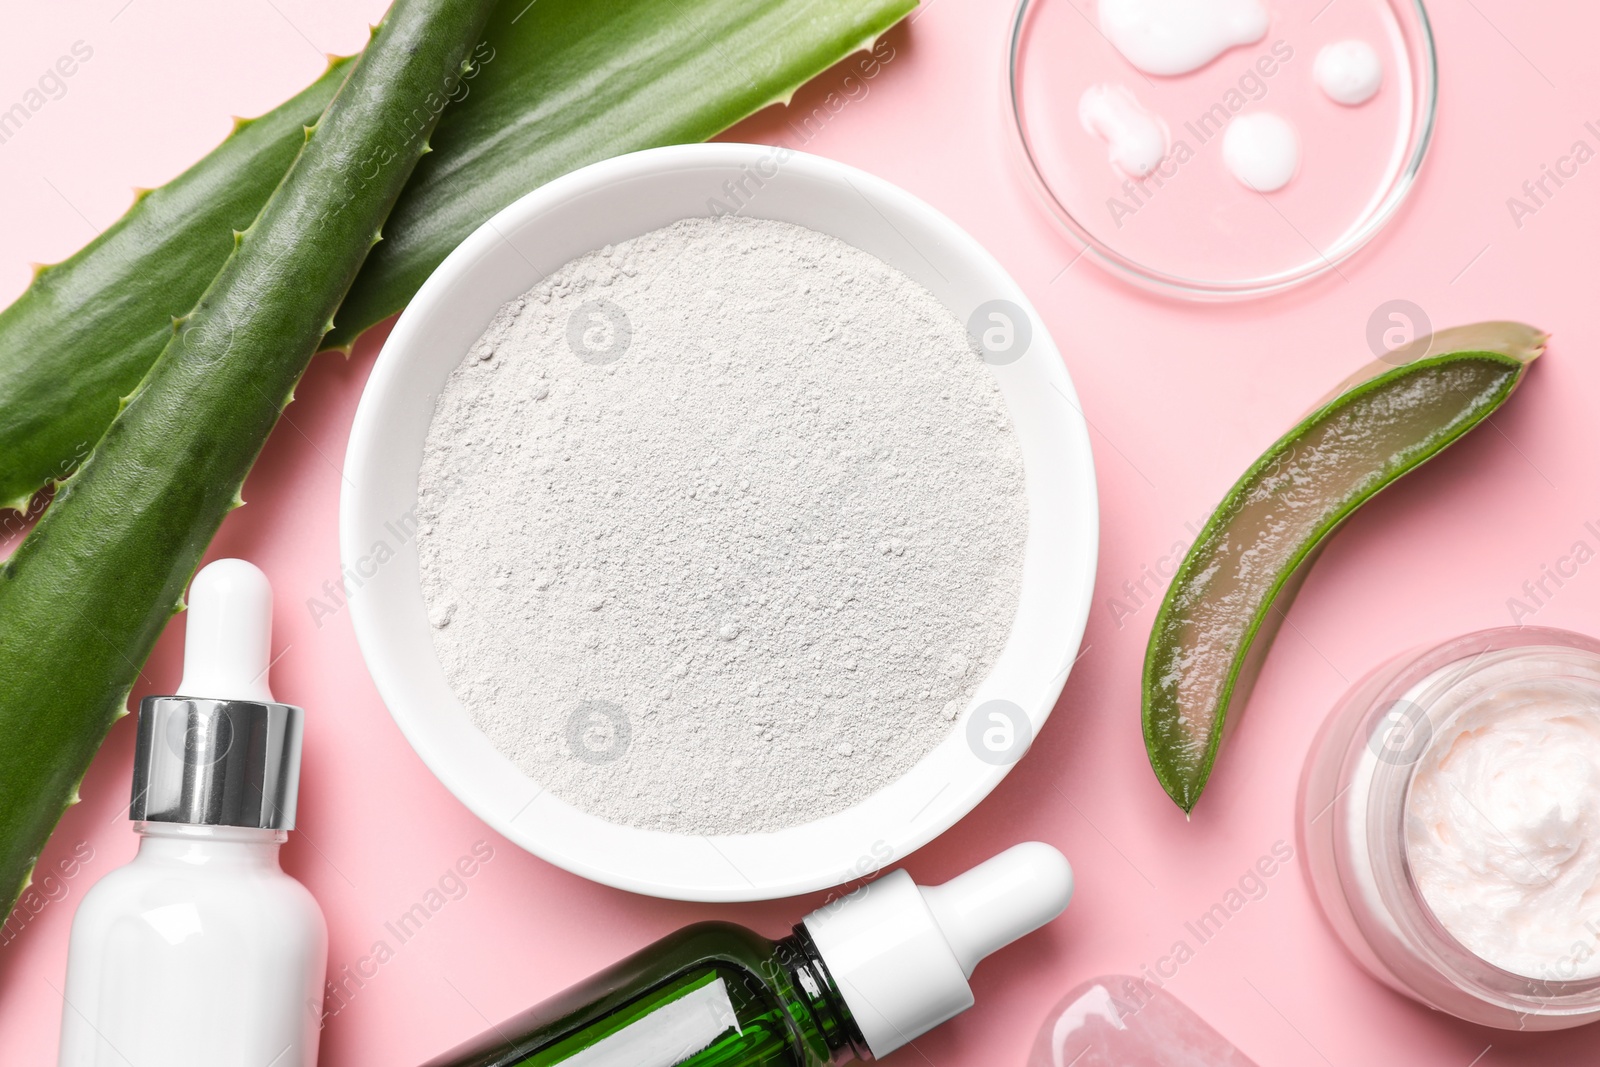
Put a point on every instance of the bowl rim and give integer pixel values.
(432, 299)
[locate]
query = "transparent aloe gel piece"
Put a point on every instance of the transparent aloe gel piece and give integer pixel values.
(1119, 1021)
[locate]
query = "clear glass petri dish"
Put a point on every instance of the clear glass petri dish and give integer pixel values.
(1189, 228)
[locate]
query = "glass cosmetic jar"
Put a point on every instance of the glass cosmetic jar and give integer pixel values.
(1449, 822)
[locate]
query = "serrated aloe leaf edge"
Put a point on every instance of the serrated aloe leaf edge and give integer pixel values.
(558, 84)
(89, 590)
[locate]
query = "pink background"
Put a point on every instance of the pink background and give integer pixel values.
(1181, 397)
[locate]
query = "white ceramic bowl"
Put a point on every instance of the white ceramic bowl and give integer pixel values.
(610, 202)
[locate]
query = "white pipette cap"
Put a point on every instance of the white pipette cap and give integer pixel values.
(228, 634)
(221, 752)
(901, 954)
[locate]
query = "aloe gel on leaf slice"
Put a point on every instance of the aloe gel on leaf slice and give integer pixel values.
(1223, 606)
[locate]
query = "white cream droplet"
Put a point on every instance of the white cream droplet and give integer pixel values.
(1177, 36)
(1262, 150)
(1135, 139)
(1349, 72)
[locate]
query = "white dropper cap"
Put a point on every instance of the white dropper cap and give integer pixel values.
(901, 955)
(228, 634)
(222, 751)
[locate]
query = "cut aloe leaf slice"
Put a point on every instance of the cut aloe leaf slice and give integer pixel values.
(1223, 605)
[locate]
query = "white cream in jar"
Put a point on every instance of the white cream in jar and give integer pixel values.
(1502, 831)
(1449, 824)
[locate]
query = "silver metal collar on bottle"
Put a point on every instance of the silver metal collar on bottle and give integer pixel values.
(217, 762)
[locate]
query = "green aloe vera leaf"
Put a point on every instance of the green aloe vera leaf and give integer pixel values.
(1228, 596)
(604, 79)
(89, 327)
(88, 591)
(560, 83)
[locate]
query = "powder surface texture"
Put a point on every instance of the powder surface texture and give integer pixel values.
(720, 527)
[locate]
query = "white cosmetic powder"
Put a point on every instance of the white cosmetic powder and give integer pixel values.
(720, 527)
(1503, 831)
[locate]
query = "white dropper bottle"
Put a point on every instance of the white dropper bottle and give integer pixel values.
(202, 952)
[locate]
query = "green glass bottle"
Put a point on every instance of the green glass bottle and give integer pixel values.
(857, 978)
